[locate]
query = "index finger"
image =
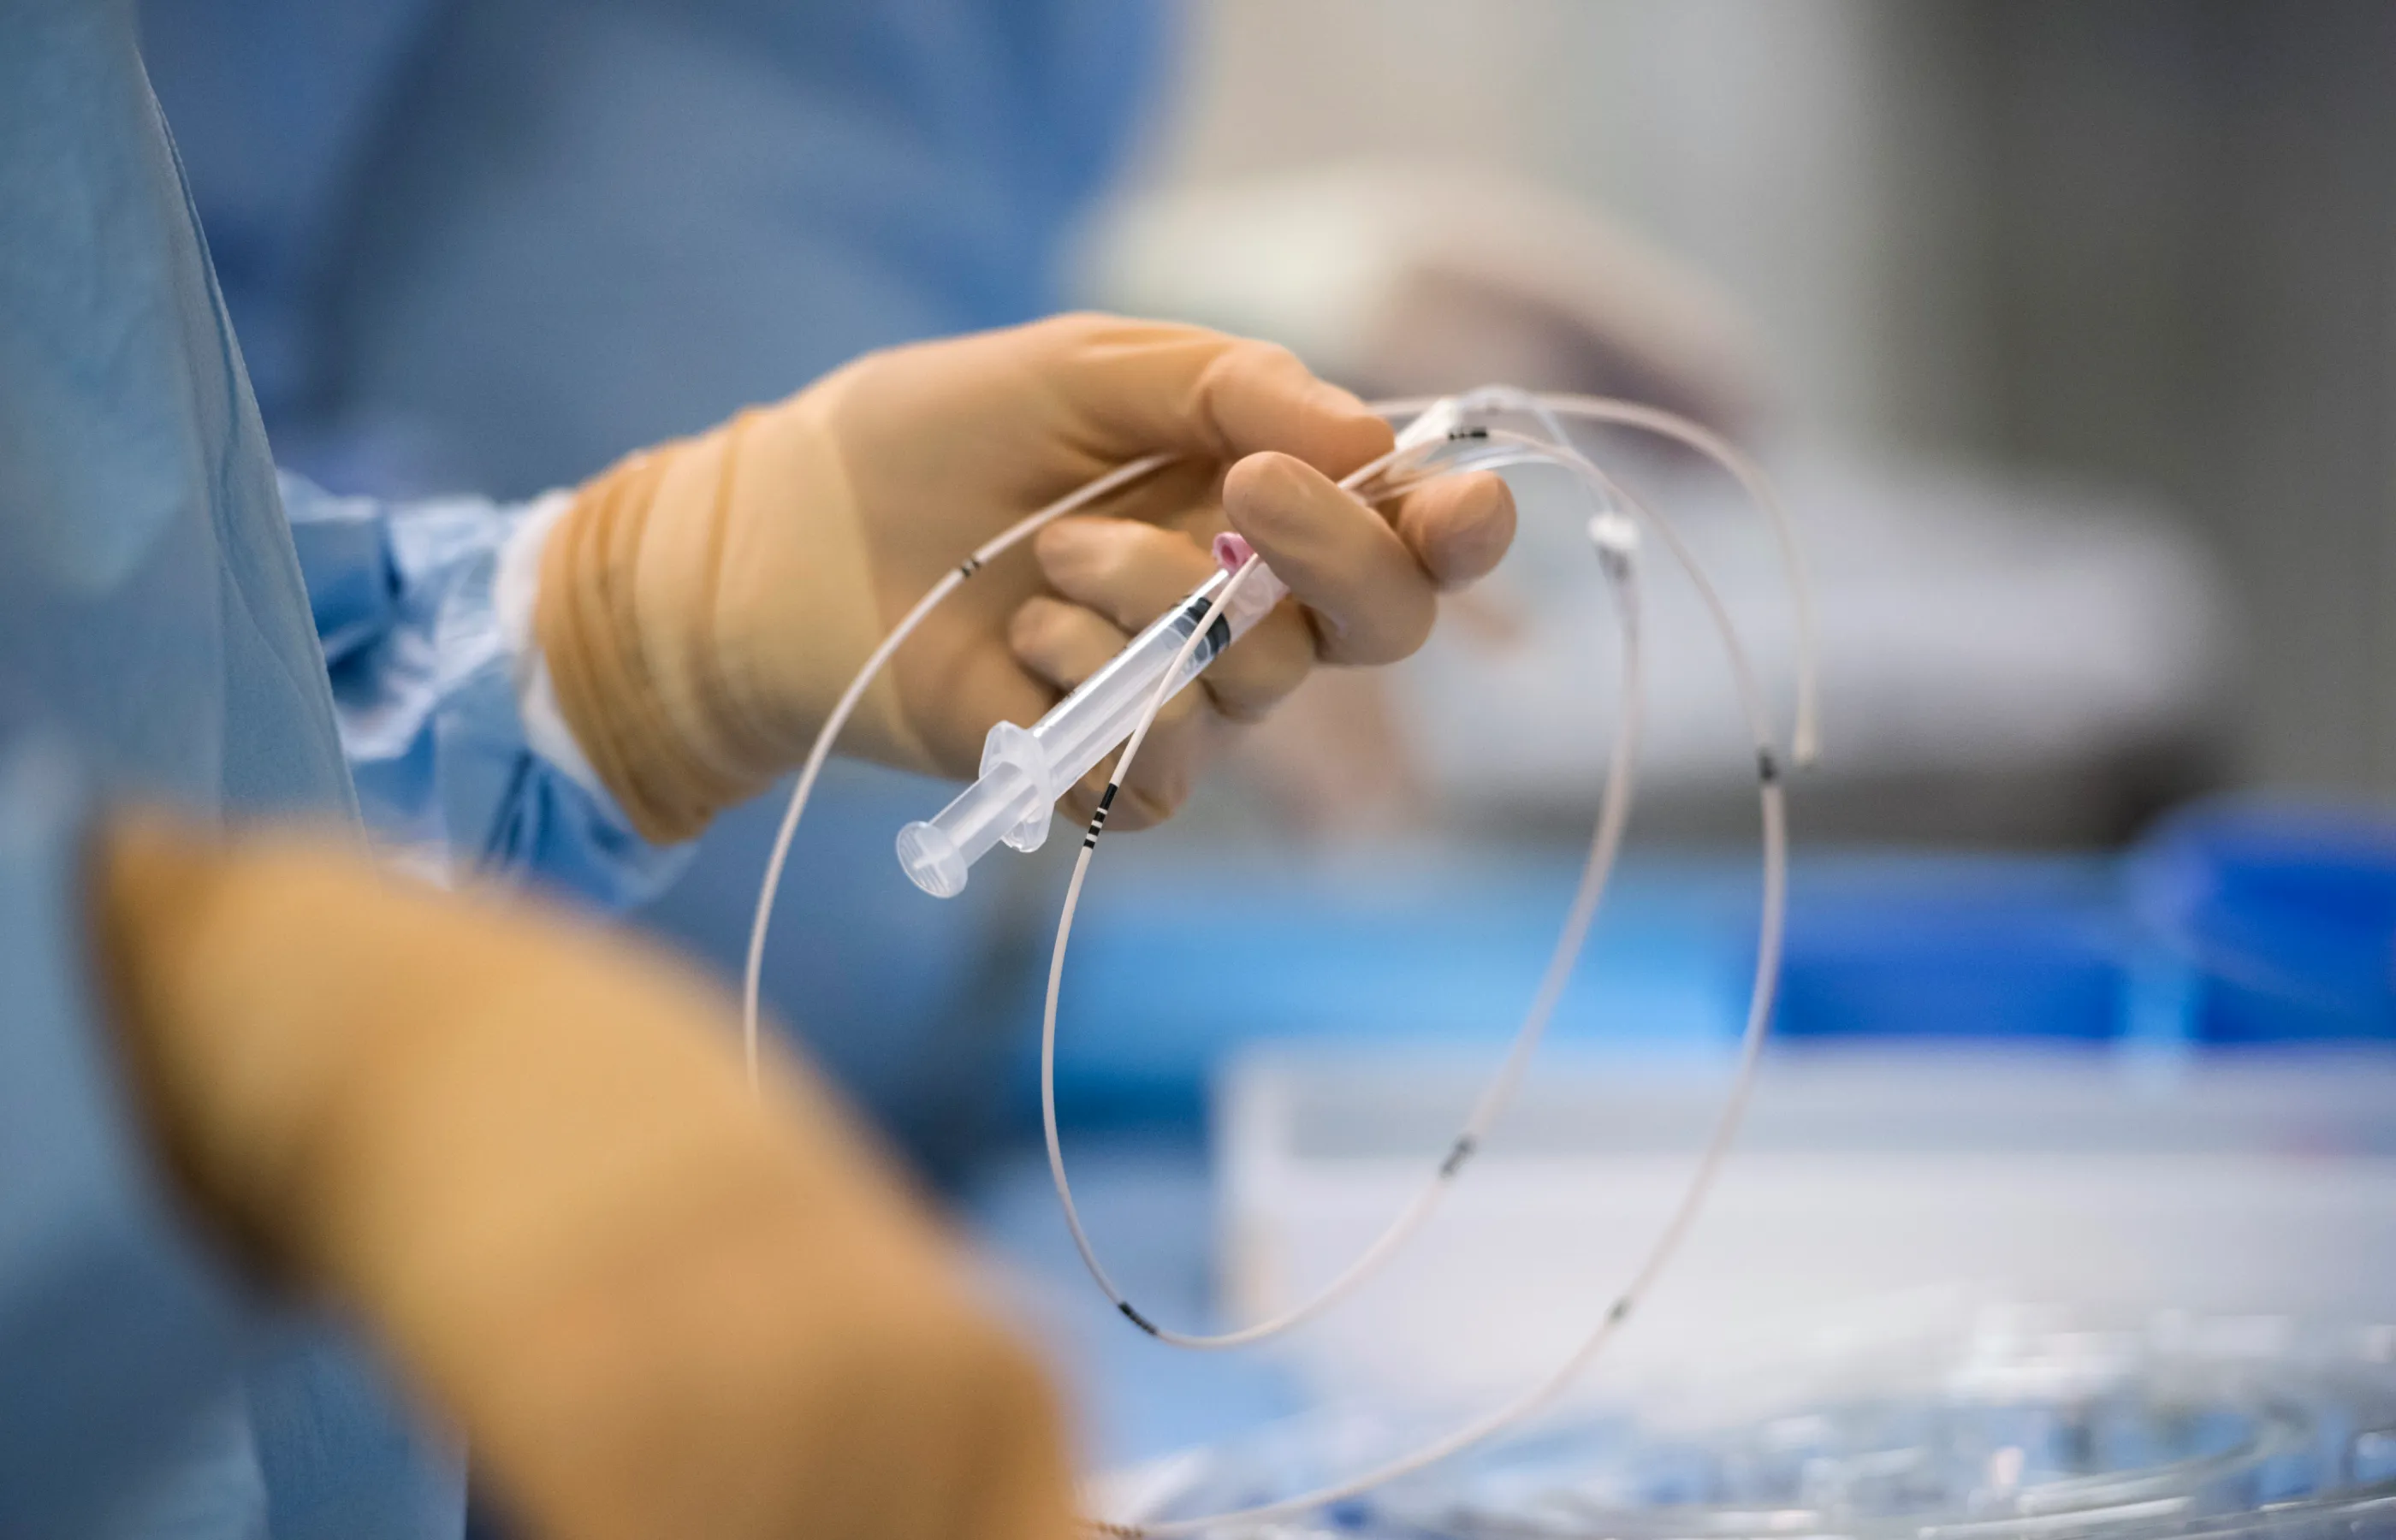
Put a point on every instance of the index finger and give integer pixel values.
(1138, 387)
(1371, 600)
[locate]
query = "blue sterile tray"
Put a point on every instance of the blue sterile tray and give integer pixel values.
(2233, 923)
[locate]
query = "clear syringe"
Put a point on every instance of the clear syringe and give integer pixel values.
(1025, 770)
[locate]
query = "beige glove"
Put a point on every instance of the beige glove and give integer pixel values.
(529, 1161)
(702, 604)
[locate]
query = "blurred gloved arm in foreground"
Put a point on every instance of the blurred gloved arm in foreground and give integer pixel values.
(702, 604)
(526, 1159)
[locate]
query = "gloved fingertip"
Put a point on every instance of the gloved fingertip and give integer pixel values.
(1072, 546)
(1338, 402)
(1055, 543)
(1028, 627)
(1264, 484)
(1472, 534)
(1349, 435)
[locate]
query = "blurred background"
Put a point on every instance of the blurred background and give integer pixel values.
(2066, 327)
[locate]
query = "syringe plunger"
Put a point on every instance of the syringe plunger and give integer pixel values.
(938, 851)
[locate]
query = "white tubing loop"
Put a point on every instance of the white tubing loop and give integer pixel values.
(1604, 846)
(1752, 702)
(1506, 448)
(1771, 929)
(1540, 1396)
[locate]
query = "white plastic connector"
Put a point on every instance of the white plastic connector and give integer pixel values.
(1616, 535)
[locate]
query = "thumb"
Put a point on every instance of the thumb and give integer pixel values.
(1141, 387)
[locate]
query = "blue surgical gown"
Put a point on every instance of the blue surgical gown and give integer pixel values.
(494, 243)
(167, 634)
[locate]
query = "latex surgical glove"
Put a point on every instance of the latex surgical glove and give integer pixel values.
(702, 604)
(529, 1160)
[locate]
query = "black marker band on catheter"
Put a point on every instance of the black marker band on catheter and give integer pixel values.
(1767, 766)
(1098, 816)
(1134, 1317)
(1458, 1154)
(970, 565)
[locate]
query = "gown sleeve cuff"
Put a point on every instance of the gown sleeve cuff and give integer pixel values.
(516, 590)
(461, 761)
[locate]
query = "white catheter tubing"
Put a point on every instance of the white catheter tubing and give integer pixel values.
(1529, 1402)
(1606, 843)
(1620, 569)
(770, 886)
(1804, 740)
(1668, 1243)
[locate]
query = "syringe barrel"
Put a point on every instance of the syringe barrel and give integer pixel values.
(1087, 725)
(1025, 773)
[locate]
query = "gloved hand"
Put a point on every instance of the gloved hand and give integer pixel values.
(531, 1165)
(702, 604)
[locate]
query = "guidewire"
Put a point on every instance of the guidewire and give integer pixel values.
(1606, 843)
(1669, 1240)
(1504, 447)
